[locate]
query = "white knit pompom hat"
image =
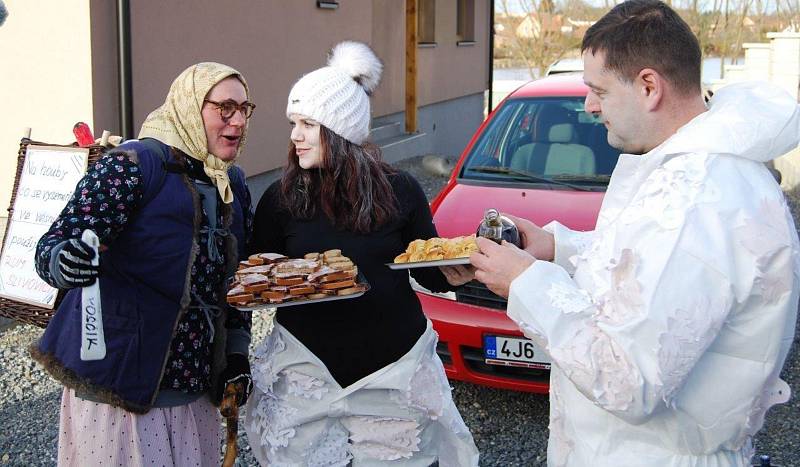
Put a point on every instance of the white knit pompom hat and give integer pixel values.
(337, 95)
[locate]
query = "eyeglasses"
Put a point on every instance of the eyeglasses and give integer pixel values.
(229, 107)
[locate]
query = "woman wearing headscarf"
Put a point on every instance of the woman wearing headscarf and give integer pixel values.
(172, 214)
(354, 380)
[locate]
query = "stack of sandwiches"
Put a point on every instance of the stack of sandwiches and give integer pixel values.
(271, 278)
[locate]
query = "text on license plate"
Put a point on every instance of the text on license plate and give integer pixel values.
(514, 351)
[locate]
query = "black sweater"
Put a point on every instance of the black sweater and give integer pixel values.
(355, 337)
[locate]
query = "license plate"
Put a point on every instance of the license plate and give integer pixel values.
(514, 351)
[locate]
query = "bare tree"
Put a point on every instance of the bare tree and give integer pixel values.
(703, 17)
(544, 39)
(721, 26)
(788, 12)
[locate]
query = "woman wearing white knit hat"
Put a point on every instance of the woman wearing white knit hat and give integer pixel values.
(350, 382)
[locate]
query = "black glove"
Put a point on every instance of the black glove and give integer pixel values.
(73, 266)
(236, 371)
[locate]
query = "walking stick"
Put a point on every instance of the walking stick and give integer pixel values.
(229, 408)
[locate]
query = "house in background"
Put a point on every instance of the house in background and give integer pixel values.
(66, 59)
(576, 27)
(536, 24)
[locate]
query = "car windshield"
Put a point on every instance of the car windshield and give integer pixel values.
(549, 141)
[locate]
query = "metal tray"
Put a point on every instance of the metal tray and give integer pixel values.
(428, 264)
(360, 280)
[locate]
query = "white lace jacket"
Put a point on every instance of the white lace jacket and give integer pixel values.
(669, 323)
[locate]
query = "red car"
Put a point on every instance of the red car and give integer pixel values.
(537, 156)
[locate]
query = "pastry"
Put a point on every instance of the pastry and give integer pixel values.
(437, 248)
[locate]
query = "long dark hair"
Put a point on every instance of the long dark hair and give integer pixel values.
(351, 186)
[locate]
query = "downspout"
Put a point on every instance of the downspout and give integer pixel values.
(124, 67)
(491, 55)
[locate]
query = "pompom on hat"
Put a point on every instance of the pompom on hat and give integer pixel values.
(337, 95)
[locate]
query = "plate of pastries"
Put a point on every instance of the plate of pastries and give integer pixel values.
(274, 280)
(436, 251)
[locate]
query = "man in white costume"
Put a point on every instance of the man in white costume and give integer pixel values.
(668, 324)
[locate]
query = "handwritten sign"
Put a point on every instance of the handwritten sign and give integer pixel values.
(47, 182)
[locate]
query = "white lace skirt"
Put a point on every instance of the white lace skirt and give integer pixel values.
(402, 414)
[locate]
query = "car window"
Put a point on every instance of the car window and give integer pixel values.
(545, 138)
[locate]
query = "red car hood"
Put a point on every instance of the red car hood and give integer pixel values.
(462, 209)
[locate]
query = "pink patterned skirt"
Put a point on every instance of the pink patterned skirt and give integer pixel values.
(92, 433)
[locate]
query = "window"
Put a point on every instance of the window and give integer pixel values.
(465, 21)
(550, 137)
(426, 19)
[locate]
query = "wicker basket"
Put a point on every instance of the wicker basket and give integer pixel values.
(24, 312)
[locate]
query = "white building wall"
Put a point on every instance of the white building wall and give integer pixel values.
(785, 64)
(757, 58)
(46, 83)
(735, 73)
(785, 72)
